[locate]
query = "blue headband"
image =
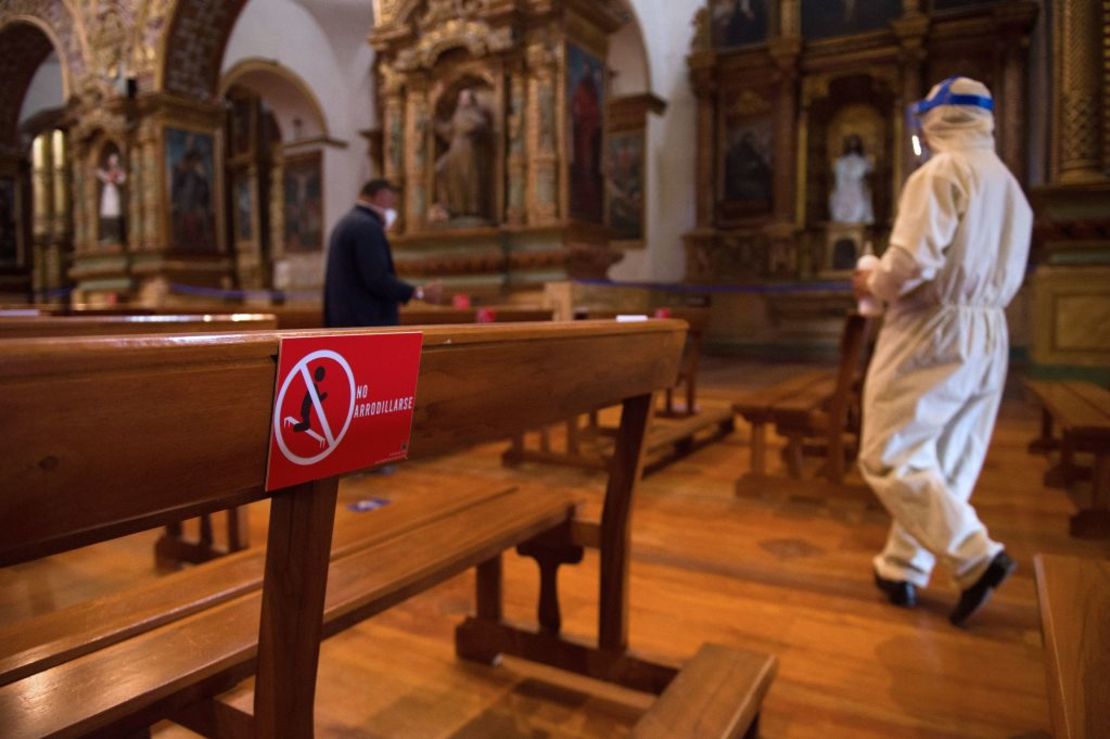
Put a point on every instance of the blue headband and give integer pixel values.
(945, 96)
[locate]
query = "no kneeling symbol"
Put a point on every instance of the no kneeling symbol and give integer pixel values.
(341, 403)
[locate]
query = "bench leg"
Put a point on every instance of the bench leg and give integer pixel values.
(297, 554)
(625, 472)
(1094, 522)
(1046, 442)
(515, 454)
(793, 455)
(759, 448)
(550, 557)
(238, 529)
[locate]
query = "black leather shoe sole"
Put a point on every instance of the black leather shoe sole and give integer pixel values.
(899, 592)
(974, 598)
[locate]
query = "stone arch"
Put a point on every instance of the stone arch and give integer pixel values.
(25, 43)
(268, 76)
(193, 47)
(628, 54)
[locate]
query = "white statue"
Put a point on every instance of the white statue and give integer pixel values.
(850, 201)
(111, 210)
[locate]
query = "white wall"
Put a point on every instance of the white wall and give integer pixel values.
(46, 89)
(334, 59)
(671, 143)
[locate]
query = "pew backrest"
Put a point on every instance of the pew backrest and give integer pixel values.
(19, 327)
(108, 436)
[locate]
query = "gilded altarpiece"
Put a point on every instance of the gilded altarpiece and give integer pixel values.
(493, 113)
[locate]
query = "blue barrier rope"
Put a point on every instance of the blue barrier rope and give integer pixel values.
(774, 288)
(222, 294)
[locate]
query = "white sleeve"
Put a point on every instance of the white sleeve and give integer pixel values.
(929, 213)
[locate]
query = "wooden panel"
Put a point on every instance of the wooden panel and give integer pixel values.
(717, 695)
(46, 326)
(1074, 597)
(178, 399)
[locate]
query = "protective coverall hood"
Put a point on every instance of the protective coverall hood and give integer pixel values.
(953, 127)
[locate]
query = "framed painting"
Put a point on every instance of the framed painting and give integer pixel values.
(191, 190)
(828, 18)
(304, 203)
(585, 103)
(739, 22)
(746, 175)
(626, 187)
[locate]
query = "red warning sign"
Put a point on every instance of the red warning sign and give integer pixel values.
(341, 403)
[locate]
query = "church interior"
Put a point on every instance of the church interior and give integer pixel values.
(634, 494)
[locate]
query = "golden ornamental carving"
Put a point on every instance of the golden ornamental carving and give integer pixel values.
(703, 35)
(475, 36)
(749, 103)
(392, 82)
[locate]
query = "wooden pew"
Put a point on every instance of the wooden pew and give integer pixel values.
(1074, 597)
(1081, 410)
(125, 661)
(174, 547)
(675, 431)
(815, 405)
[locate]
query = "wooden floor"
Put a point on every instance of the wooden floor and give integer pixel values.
(780, 569)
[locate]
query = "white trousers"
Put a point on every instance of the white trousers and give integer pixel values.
(930, 402)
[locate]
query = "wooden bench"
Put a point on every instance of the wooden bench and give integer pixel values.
(822, 405)
(1081, 411)
(164, 650)
(174, 547)
(1074, 597)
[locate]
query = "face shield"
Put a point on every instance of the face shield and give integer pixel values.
(941, 95)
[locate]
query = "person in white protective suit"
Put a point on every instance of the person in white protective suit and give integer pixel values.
(957, 256)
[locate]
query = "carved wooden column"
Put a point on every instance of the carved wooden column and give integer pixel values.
(543, 136)
(150, 222)
(703, 77)
(419, 182)
(393, 125)
(1078, 52)
(785, 52)
(910, 29)
(515, 211)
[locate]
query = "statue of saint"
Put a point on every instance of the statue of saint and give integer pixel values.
(463, 183)
(850, 201)
(112, 178)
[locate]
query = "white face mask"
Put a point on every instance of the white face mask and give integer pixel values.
(390, 219)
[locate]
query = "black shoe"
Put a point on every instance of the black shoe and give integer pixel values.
(899, 592)
(975, 597)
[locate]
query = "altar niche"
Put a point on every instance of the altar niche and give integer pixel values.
(494, 128)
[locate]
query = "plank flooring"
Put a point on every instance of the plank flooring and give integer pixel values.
(784, 569)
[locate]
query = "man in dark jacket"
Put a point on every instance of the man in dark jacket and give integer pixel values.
(362, 287)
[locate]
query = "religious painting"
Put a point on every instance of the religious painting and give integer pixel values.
(466, 155)
(244, 206)
(304, 204)
(586, 92)
(626, 185)
(111, 180)
(828, 18)
(190, 175)
(9, 221)
(739, 22)
(747, 179)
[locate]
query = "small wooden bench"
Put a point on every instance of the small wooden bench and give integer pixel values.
(1074, 597)
(1081, 411)
(119, 664)
(819, 404)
